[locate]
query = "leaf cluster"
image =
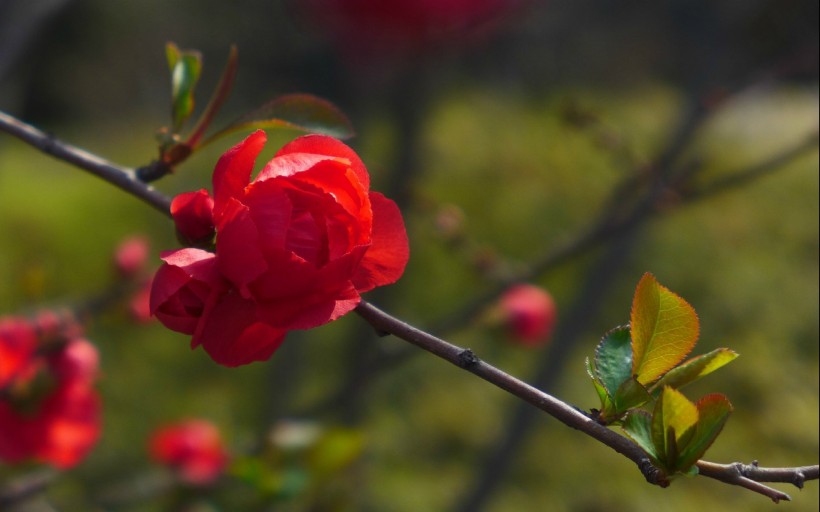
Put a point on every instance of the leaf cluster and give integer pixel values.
(301, 112)
(642, 365)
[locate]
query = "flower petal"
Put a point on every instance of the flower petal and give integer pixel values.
(193, 215)
(300, 313)
(328, 146)
(233, 170)
(232, 335)
(384, 261)
(239, 255)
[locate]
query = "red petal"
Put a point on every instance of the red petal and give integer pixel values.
(233, 171)
(238, 247)
(299, 313)
(324, 145)
(384, 261)
(233, 336)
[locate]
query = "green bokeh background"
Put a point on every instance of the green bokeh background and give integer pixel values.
(494, 143)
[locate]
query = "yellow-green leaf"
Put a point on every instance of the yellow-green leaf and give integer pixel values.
(673, 425)
(185, 66)
(664, 330)
(695, 368)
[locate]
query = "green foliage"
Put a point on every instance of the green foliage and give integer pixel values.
(678, 432)
(301, 112)
(632, 364)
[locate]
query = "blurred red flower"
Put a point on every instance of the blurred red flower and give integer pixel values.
(18, 340)
(371, 27)
(193, 448)
(50, 411)
(294, 249)
(130, 255)
(529, 313)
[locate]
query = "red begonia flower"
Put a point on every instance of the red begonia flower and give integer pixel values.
(51, 412)
(530, 314)
(193, 448)
(294, 249)
(130, 255)
(18, 340)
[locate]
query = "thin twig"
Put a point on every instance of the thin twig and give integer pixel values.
(119, 176)
(748, 476)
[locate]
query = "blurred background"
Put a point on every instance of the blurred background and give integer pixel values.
(571, 144)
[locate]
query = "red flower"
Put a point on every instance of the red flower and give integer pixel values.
(529, 313)
(50, 412)
(193, 448)
(130, 255)
(378, 26)
(18, 341)
(294, 249)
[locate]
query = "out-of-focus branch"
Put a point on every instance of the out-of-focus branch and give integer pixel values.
(121, 177)
(748, 476)
(26, 486)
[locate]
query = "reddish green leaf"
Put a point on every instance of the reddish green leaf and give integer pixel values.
(673, 425)
(713, 411)
(603, 394)
(223, 88)
(185, 67)
(302, 112)
(664, 330)
(694, 369)
(630, 394)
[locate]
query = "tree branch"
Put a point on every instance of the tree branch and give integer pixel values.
(122, 177)
(748, 476)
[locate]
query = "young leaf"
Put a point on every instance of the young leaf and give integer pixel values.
(694, 369)
(303, 112)
(603, 394)
(673, 425)
(185, 66)
(638, 426)
(713, 411)
(664, 330)
(630, 394)
(613, 359)
(220, 94)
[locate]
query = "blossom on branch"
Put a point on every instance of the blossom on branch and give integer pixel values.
(49, 409)
(294, 249)
(528, 313)
(193, 448)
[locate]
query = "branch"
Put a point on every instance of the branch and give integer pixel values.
(26, 486)
(467, 360)
(121, 177)
(748, 476)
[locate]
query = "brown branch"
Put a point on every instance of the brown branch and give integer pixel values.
(121, 177)
(748, 476)
(26, 486)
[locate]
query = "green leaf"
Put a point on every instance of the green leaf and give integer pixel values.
(335, 450)
(673, 425)
(638, 426)
(302, 112)
(613, 359)
(185, 67)
(694, 369)
(630, 394)
(664, 330)
(713, 411)
(603, 394)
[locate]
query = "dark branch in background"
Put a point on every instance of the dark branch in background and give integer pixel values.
(24, 487)
(121, 177)
(575, 418)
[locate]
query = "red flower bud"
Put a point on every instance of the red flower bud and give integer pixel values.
(529, 313)
(193, 448)
(193, 217)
